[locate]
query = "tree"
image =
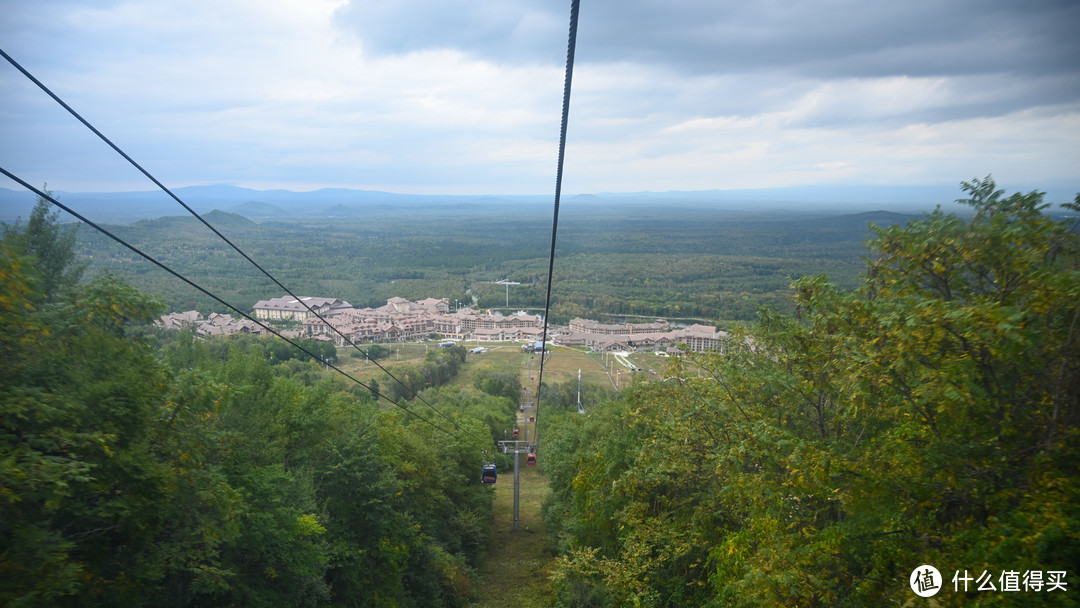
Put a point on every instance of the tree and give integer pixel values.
(498, 383)
(81, 495)
(930, 416)
(52, 245)
(216, 474)
(376, 352)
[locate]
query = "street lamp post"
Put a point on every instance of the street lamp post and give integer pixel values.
(508, 283)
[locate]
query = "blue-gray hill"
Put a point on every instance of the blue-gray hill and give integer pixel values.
(258, 209)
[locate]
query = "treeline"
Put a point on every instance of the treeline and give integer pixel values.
(661, 285)
(142, 468)
(655, 262)
(932, 416)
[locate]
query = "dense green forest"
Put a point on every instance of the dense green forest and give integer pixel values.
(920, 409)
(638, 261)
(928, 417)
(149, 468)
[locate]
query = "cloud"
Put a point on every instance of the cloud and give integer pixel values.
(839, 60)
(516, 31)
(818, 38)
(454, 96)
(765, 151)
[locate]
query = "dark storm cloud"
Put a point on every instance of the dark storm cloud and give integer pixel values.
(844, 38)
(822, 38)
(782, 46)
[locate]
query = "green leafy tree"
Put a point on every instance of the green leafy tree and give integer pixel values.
(498, 383)
(212, 474)
(82, 493)
(51, 244)
(376, 352)
(930, 416)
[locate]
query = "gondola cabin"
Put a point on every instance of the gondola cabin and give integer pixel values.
(515, 434)
(488, 475)
(530, 460)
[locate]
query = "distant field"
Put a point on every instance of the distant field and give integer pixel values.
(502, 356)
(561, 366)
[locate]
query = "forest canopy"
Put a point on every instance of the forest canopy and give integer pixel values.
(145, 468)
(694, 263)
(930, 416)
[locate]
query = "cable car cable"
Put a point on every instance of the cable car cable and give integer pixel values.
(162, 186)
(571, 46)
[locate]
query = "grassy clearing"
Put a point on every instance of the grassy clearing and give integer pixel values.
(515, 572)
(562, 365)
(409, 353)
(502, 356)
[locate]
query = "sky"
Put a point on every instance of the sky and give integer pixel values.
(464, 97)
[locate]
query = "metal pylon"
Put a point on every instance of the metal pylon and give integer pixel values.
(517, 448)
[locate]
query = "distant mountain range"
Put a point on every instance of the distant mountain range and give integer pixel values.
(126, 207)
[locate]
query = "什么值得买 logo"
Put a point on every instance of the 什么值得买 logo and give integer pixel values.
(925, 581)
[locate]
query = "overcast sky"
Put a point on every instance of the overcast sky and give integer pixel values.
(456, 96)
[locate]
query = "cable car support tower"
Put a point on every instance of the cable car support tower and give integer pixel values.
(517, 448)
